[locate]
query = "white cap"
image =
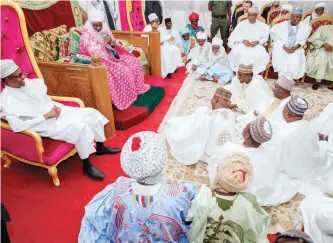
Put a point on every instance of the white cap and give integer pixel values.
(320, 5)
(152, 17)
(201, 36)
(253, 10)
(217, 41)
(287, 7)
(8, 67)
(95, 16)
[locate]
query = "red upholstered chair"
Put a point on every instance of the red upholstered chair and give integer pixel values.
(325, 19)
(273, 14)
(244, 16)
(28, 146)
(136, 15)
(307, 14)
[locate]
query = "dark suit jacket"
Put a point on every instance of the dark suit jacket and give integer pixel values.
(153, 6)
(265, 12)
(235, 18)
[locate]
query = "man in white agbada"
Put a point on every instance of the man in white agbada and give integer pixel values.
(318, 11)
(317, 215)
(170, 33)
(216, 68)
(248, 90)
(246, 42)
(228, 215)
(199, 135)
(26, 105)
(288, 56)
(199, 53)
(170, 54)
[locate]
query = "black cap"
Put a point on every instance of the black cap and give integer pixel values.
(167, 20)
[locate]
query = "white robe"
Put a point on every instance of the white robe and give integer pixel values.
(249, 96)
(240, 54)
(290, 65)
(270, 187)
(171, 57)
(198, 55)
(199, 135)
(168, 33)
(24, 108)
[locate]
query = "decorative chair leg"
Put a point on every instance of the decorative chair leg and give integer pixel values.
(53, 172)
(7, 160)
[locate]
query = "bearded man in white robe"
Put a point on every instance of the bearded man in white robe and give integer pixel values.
(199, 135)
(170, 33)
(248, 90)
(171, 57)
(318, 11)
(26, 105)
(246, 42)
(198, 54)
(288, 56)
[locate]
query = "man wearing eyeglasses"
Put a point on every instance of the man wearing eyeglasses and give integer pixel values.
(26, 105)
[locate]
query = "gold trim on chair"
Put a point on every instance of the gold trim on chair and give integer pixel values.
(306, 14)
(69, 99)
(324, 17)
(270, 13)
(129, 8)
(25, 36)
(265, 6)
(285, 17)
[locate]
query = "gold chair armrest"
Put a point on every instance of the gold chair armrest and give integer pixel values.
(32, 134)
(69, 99)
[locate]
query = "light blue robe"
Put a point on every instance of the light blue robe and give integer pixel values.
(116, 214)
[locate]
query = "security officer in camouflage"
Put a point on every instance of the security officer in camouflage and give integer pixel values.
(221, 17)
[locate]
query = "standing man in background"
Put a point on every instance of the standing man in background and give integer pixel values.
(221, 18)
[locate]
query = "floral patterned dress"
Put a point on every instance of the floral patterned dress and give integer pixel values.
(125, 75)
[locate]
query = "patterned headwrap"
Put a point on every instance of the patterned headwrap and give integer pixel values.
(297, 11)
(223, 92)
(295, 234)
(184, 31)
(261, 130)
(8, 67)
(143, 157)
(233, 174)
(245, 68)
(297, 105)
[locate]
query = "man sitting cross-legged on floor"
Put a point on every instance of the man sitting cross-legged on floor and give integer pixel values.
(26, 105)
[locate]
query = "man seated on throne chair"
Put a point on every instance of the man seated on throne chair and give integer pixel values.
(26, 105)
(125, 74)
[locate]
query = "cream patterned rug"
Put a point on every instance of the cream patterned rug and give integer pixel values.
(194, 94)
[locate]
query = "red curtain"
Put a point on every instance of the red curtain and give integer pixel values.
(49, 18)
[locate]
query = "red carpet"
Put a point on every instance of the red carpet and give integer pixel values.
(43, 213)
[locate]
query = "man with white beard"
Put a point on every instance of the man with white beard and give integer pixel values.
(246, 42)
(171, 57)
(198, 54)
(288, 56)
(197, 136)
(248, 90)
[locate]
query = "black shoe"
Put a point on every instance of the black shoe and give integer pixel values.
(169, 75)
(107, 150)
(92, 171)
(176, 71)
(315, 86)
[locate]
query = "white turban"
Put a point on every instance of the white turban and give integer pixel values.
(202, 36)
(95, 16)
(320, 5)
(144, 156)
(152, 17)
(8, 67)
(253, 10)
(217, 41)
(287, 7)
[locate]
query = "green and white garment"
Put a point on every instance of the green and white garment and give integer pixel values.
(228, 219)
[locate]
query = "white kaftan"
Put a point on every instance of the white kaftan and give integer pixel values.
(249, 96)
(198, 55)
(24, 108)
(199, 135)
(170, 54)
(240, 54)
(168, 33)
(283, 34)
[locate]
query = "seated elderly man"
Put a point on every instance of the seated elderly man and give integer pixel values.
(26, 105)
(246, 42)
(216, 67)
(170, 54)
(234, 214)
(197, 136)
(248, 90)
(318, 11)
(319, 61)
(288, 56)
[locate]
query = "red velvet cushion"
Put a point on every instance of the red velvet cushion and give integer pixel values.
(54, 150)
(137, 16)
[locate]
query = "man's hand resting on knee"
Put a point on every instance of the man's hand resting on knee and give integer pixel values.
(54, 113)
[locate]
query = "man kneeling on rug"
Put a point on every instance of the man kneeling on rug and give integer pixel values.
(26, 105)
